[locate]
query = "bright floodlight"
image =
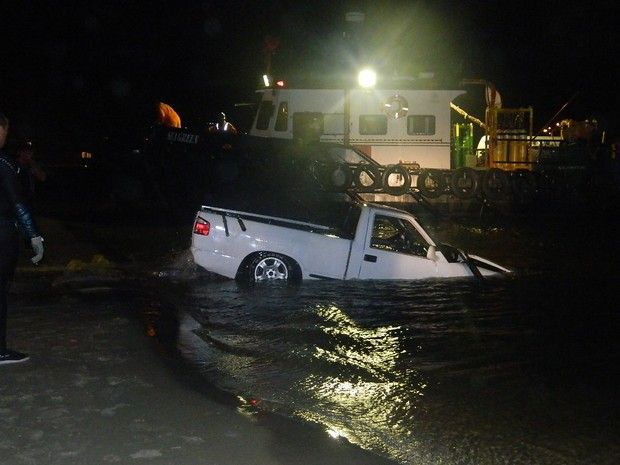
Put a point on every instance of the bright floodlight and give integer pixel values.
(367, 78)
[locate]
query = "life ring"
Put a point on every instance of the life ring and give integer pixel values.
(364, 173)
(396, 107)
(524, 186)
(403, 174)
(495, 184)
(464, 183)
(431, 183)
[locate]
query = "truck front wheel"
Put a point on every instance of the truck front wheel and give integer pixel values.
(270, 266)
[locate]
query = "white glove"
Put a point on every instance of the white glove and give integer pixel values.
(37, 246)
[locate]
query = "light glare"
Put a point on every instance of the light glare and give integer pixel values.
(367, 78)
(333, 433)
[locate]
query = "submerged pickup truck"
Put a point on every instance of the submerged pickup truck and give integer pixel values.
(339, 240)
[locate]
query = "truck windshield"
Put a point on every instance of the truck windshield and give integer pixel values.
(397, 235)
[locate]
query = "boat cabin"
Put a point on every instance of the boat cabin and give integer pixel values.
(391, 126)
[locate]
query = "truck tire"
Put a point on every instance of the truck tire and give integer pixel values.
(431, 183)
(270, 267)
(403, 172)
(464, 183)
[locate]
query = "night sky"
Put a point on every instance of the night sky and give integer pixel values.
(77, 70)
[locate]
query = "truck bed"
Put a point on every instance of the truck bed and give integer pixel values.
(339, 216)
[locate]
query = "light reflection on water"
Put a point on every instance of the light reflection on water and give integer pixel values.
(515, 370)
(369, 398)
(433, 372)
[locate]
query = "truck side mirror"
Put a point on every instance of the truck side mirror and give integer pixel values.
(430, 253)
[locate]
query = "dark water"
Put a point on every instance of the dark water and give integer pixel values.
(518, 370)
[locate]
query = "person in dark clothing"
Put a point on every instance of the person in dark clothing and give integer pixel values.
(29, 173)
(12, 212)
(222, 125)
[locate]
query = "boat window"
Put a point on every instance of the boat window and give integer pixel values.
(333, 123)
(264, 115)
(421, 125)
(397, 235)
(308, 126)
(282, 117)
(373, 124)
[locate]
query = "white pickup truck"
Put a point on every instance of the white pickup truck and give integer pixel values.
(344, 240)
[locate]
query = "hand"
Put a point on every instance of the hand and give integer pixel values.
(37, 246)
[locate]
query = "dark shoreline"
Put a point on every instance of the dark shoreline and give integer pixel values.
(98, 384)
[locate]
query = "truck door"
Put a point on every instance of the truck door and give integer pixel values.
(395, 249)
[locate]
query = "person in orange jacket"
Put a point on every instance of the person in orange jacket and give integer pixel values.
(167, 116)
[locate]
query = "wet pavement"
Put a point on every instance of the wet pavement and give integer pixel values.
(99, 389)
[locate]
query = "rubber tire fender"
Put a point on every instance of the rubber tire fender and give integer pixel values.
(496, 184)
(329, 173)
(524, 187)
(461, 190)
(435, 176)
(396, 190)
(372, 172)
